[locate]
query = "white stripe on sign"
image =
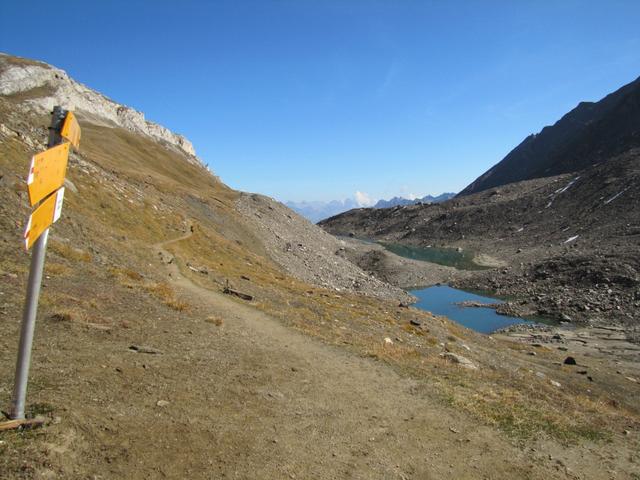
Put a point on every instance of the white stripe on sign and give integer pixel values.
(31, 171)
(43, 217)
(58, 209)
(28, 229)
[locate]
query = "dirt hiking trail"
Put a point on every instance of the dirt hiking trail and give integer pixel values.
(260, 400)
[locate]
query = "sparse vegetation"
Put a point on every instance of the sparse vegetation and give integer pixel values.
(517, 404)
(68, 252)
(166, 294)
(53, 268)
(161, 290)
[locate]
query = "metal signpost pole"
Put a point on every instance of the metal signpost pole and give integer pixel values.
(33, 292)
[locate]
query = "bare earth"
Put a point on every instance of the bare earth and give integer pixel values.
(229, 392)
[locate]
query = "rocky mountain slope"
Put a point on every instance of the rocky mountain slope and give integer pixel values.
(569, 242)
(308, 253)
(186, 329)
(47, 86)
(591, 205)
(589, 134)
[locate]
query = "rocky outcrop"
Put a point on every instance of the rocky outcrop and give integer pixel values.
(41, 86)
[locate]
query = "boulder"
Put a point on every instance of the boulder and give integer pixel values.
(459, 359)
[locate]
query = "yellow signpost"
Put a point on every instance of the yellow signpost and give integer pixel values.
(47, 172)
(71, 129)
(45, 180)
(47, 213)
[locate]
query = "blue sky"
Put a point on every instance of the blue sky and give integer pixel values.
(315, 100)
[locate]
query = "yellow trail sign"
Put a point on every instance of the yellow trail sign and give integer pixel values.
(42, 217)
(46, 177)
(47, 172)
(71, 129)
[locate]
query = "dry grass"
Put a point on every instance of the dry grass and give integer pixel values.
(394, 353)
(215, 320)
(161, 290)
(132, 274)
(68, 252)
(63, 316)
(178, 305)
(456, 330)
(24, 61)
(525, 406)
(518, 404)
(166, 294)
(9, 265)
(431, 340)
(58, 269)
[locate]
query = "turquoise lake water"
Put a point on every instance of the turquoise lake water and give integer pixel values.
(449, 257)
(441, 300)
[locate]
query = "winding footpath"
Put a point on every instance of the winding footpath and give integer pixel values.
(275, 403)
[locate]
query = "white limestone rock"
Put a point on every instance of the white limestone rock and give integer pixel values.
(59, 89)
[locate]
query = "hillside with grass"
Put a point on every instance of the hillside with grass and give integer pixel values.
(189, 330)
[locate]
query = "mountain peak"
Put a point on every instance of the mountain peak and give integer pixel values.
(589, 134)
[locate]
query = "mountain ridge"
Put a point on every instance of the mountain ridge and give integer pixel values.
(590, 133)
(316, 211)
(396, 201)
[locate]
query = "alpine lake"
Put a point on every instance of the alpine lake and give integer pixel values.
(449, 301)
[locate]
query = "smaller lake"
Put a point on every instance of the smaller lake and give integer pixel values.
(449, 257)
(441, 300)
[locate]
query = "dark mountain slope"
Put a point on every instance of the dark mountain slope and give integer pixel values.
(589, 134)
(594, 204)
(564, 238)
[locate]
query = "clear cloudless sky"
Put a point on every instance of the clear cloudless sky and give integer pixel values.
(318, 99)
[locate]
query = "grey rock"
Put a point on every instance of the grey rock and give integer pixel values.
(459, 359)
(69, 185)
(63, 90)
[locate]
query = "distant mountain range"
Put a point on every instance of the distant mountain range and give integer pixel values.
(315, 211)
(588, 135)
(318, 210)
(395, 201)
